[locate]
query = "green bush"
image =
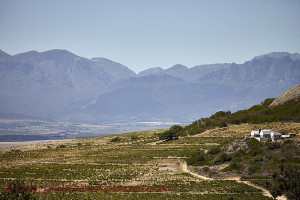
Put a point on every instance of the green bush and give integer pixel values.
(116, 139)
(238, 153)
(171, 133)
(61, 146)
(196, 158)
(253, 169)
(206, 169)
(134, 137)
(214, 150)
(258, 158)
(274, 145)
(286, 181)
(222, 158)
(234, 167)
(210, 174)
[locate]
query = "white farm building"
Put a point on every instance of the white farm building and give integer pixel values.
(264, 135)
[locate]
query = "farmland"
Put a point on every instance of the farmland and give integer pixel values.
(135, 160)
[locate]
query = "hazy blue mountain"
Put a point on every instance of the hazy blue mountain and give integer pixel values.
(54, 83)
(294, 56)
(204, 89)
(181, 71)
(117, 70)
(151, 71)
(4, 56)
(260, 69)
(58, 84)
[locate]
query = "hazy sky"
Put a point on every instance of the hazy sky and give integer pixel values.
(152, 33)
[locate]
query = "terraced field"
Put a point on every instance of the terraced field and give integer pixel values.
(136, 167)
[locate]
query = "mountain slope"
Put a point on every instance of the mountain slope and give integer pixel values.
(58, 84)
(293, 93)
(54, 83)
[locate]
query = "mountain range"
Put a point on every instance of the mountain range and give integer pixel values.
(60, 85)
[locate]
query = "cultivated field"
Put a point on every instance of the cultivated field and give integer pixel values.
(138, 166)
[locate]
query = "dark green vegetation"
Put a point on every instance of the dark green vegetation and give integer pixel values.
(116, 139)
(171, 133)
(286, 181)
(289, 111)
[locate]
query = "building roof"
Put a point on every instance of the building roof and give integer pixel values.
(276, 133)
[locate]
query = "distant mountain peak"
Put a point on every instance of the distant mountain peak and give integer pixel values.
(100, 59)
(108, 62)
(4, 55)
(154, 70)
(59, 53)
(178, 67)
(278, 55)
(55, 54)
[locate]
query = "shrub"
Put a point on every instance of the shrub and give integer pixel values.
(61, 146)
(171, 133)
(223, 124)
(258, 158)
(212, 173)
(223, 157)
(206, 169)
(234, 166)
(116, 139)
(196, 158)
(253, 143)
(288, 141)
(255, 152)
(214, 150)
(134, 137)
(168, 135)
(238, 153)
(274, 145)
(253, 169)
(286, 181)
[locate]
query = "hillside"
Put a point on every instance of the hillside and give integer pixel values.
(293, 93)
(262, 113)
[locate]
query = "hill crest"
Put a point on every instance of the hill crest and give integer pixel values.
(293, 93)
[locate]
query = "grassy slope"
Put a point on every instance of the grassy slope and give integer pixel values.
(289, 111)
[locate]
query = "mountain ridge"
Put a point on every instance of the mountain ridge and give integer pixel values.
(58, 84)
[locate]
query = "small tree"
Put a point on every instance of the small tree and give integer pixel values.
(196, 158)
(171, 133)
(116, 139)
(168, 135)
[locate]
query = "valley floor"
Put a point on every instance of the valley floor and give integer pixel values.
(136, 166)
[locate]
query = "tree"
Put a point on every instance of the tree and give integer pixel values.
(116, 139)
(171, 133)
(168, 135)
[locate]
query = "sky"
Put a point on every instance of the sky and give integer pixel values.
(142, 34)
